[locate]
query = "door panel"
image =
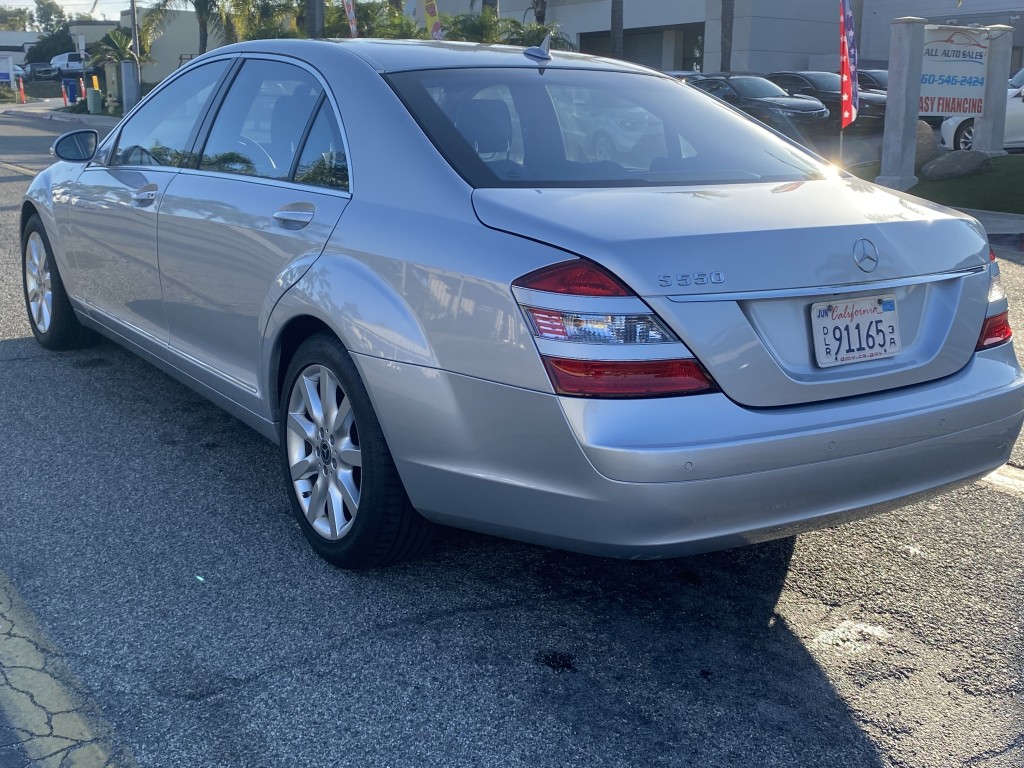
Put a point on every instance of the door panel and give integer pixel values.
(114, 229)
(223, 243)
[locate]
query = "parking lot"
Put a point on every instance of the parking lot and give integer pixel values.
(148, 556)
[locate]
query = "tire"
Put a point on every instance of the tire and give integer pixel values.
(963, 137)
(53, 320)
(345, 490)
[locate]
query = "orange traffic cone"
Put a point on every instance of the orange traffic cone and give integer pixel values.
(21, 90)
(64, 93)
(81, 88)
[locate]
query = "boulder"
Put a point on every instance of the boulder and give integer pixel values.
(927, 146)
(956, 165)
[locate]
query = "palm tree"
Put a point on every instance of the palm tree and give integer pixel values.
(617, 33)
(540, 10)
(208, 16)
(115, 47)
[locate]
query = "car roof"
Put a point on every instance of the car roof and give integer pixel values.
(405, 55)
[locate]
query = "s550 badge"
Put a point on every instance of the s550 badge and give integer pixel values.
(686, 279)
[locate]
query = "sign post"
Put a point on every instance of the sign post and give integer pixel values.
(899, 139)
(942, 70)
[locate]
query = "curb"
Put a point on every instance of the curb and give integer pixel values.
(64, 118)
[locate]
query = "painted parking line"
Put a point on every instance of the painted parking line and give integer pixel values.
(17, 168)
(1007, 478)
(41, 703)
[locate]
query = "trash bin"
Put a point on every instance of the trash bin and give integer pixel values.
(70, 88)
(94, 100)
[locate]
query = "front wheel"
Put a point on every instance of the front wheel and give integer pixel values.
(53, 320)
(963, 137)
(346, 492)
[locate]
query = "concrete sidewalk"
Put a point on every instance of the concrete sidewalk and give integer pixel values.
(50, 109)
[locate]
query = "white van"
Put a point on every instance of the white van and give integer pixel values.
(71, 63)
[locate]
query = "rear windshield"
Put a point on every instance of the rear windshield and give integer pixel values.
(551, 127)
(824, 81)
(755, 87)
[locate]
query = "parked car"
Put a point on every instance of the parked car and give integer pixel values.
(873, 79)
(825, 86)
(766, 101)
(1017, 79)
(958, 132)
(685, 74)
(40, 70)
(68, 64)
(381, 256)
(5, 76)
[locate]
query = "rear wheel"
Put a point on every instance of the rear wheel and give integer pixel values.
(346, 492)
(963, 137)
(53, 321)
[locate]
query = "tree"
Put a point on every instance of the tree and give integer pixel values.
(115, 47)
(617, 31)
(49, 16)
(540, 10)
(49, 46)
(374, 18)
(16, 19)
(208, 16)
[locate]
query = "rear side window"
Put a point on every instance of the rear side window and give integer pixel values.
(323, 162)
(159, 133)
(260, 124)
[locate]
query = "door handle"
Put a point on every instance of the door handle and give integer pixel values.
(293, 219)
(144, 196)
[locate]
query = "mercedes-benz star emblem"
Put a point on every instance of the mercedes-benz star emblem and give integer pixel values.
(866, 255)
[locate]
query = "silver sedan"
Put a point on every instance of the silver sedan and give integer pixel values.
(405, 264)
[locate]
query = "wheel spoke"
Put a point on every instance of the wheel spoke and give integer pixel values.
(350, 454)
(328, 397)
(349, 492)
(341, 422)
(299, 425)
(336, 510)
(317, 500)
(305, 467)
(314, 408)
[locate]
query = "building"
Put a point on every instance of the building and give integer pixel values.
(15, 44)
(877, 16)
(176, 43)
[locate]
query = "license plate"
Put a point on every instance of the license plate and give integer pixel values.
(854, 330)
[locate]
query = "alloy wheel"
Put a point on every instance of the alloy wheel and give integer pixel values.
(38, 286)
(323, 452)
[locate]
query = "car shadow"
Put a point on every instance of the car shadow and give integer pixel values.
(168, 569)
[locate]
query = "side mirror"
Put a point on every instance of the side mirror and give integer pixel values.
(77, 146)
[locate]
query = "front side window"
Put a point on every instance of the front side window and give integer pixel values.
(260, 124)
(160, 132)
(526, 127)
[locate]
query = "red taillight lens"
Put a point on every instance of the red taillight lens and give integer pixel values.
(627, 378)
(995, 331)
(577, 277)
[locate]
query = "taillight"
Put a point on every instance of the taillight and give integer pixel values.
(627, 378)
(577, 278)
(995, 331)
(599, 339)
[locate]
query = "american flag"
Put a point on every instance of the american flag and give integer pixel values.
(850, 93)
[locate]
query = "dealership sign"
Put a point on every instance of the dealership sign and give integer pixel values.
(953, 71)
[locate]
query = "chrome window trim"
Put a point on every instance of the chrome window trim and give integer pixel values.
(328, 93)
(284, 183)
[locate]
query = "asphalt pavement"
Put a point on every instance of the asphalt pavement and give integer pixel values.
(149, 565)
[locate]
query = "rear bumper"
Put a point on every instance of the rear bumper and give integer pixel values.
(674, 476)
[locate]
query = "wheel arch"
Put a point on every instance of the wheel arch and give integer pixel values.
(343, 296)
